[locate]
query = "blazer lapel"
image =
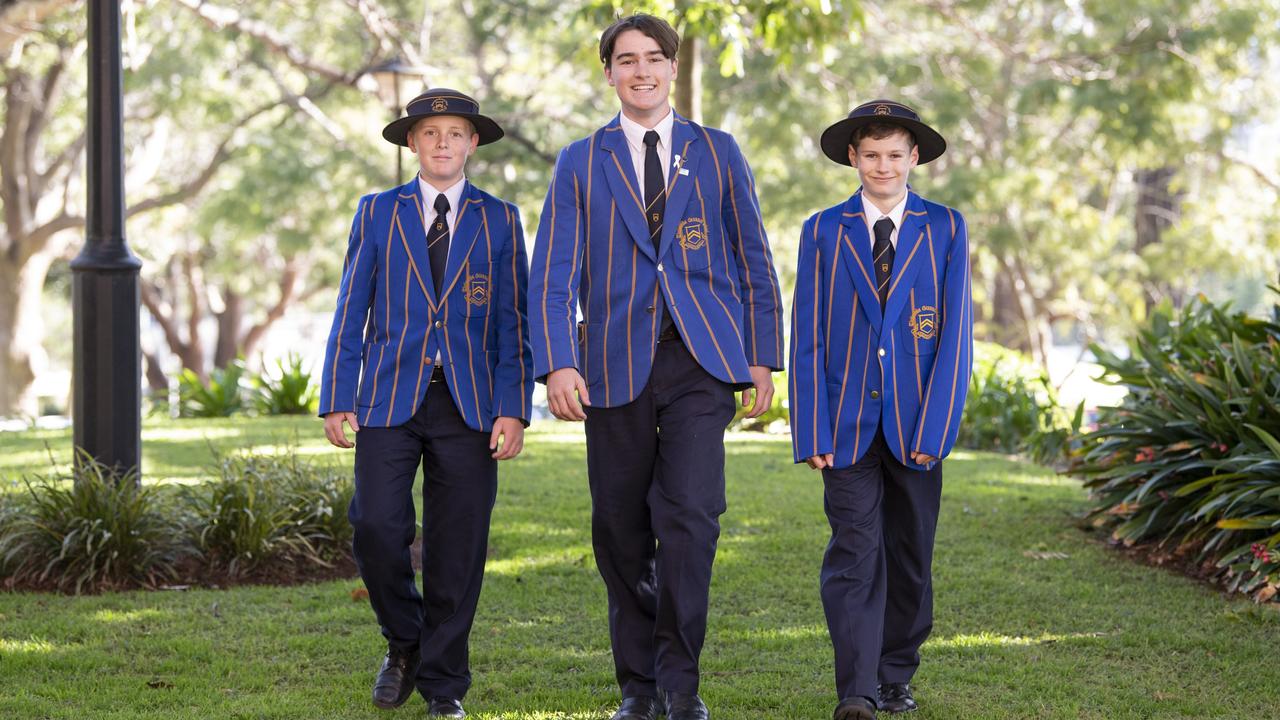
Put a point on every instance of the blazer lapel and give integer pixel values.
(855, 254)
(414, 237)
(466, 228)
(686, 152)
(621, 176)
(910, 255)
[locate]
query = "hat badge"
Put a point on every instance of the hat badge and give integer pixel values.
(439, 105)
(882, 110)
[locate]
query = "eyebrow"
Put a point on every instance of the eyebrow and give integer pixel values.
(647, 53)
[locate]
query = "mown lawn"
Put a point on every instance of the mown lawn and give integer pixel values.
(1090, 635)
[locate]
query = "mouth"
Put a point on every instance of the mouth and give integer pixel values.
(643, 88)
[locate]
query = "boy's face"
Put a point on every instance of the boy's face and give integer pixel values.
(443, 143)
(641, 75)
(884, 165)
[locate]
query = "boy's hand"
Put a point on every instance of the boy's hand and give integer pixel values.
(762, 379)
(566, 394)
(335, 432)
(511, 430)
(820, 462)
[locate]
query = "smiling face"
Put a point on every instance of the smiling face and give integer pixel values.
(884, 165)
(443, 143)
(641, 75)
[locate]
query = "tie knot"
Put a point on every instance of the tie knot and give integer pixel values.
(442, 204)
(651, 138)
(883, 228)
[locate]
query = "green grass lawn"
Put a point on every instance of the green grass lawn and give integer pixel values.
(1090, 635)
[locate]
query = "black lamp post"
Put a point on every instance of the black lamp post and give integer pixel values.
(392, 76)
(107, 360)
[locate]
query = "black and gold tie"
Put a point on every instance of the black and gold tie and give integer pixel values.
(882, 251)
(655, 198)
(438, 242)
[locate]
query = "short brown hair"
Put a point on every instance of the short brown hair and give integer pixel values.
(879, 131)
(655, 27)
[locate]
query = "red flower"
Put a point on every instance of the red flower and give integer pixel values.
(1260, 552)
(1146, 454)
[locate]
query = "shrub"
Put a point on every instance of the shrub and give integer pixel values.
(1012, 407)
(266, 508)
(1190, 458)
(90, 531)
(220, 397)
(287, 391)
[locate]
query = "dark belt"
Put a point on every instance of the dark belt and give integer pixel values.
(668, 334)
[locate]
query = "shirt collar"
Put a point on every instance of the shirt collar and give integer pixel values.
(634, 131)
(873, 213)
(453, 193)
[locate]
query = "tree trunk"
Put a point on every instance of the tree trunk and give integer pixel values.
(21, 332)
(689, 78)
(229, 321)
(1156, 211)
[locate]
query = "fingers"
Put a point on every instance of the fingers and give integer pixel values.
(746, 397)
(764, 398)
(820, 462)
(512, 434)
(351, 420)
(493, 437)
(581, 386)
(334, 431)
(564, 387)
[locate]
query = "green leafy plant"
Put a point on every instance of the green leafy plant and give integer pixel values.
(1012, 407)
(1190, 459)
(286, 391)
(221, 396)
(90, 531)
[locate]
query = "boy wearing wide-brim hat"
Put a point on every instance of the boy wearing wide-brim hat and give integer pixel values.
(881, 351)
(428, 361)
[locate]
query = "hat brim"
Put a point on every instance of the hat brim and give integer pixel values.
(835, 139)
(397, 131)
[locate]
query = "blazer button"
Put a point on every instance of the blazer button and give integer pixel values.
(659, 267)
(428, 361)
(881, 352)
(440, 324)
(875, 394)
(650, 309)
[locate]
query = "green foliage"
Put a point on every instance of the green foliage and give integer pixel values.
(90, 531)
(221, 396)
(1190, 458)
(287, 391)
(263, 508)
(1012, 407)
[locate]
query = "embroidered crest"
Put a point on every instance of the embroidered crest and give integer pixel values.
(924, 322)
(692, 233)
(882, 110)
(439, 105)
(477, 289)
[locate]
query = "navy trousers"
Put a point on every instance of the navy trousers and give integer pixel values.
(459, 487)
(656, 471)
(877, 588)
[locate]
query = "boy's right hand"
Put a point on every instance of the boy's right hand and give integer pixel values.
(566, 394)
(335, 432)
(819, 462)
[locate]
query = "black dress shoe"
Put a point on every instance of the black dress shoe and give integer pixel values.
(445, 707)
(638, 708)
(686, 707)
(395, 680)
(855, 708)
(896, 698)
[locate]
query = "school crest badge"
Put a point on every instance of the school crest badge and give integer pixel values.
(882, 110)
(692, 233)
(439, 105)
(924, 322)
(477, 289)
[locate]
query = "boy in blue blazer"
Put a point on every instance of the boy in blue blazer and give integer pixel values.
(651, 227)
(428, 361)
(881, 350)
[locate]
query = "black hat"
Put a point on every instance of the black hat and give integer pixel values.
(441, 101)
(835, 139)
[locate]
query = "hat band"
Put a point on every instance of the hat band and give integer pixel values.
(443, 105)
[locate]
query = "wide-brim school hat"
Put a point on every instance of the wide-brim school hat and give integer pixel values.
(835, 139)
(441, 101)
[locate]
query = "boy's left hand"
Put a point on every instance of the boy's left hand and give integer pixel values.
(762, 379)
(920, 458)
(511, 430)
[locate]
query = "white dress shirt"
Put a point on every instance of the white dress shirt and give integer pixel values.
(634, 133)
(454, 195)
(871, 214)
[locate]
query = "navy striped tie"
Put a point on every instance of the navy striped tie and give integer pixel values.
(882, 251)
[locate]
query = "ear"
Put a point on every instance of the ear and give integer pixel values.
(675, 68)
(853, 155)
(475, 143)
(915, 155)
(413, 143)
(608, 75)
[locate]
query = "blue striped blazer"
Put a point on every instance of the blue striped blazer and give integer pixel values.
(713, 265)
(851, 369)
(389, 324)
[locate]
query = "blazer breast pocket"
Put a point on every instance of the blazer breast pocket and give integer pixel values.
(476, 290)
(692, 248)
(923, 325)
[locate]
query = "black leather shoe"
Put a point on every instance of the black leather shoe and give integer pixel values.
(442, 707)
(686, 707)
(638, 708)
(896, 698)
(855, 708)
(395, 680)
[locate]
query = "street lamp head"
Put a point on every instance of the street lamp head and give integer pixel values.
(390, 79)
